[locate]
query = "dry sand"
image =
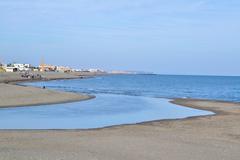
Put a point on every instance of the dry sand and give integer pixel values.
(202, 138)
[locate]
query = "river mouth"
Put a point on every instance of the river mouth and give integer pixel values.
(104, 111)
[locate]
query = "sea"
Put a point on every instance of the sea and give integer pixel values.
(121, 99)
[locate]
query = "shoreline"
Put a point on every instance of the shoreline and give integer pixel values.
(173, 101)
(17, 95)
(176, 101)
(182, 102)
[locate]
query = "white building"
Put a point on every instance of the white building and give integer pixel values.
(22, 67)
(63, 69)
(11, 69)
(95, 70)
(17, 67)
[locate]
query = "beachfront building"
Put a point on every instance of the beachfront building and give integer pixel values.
(95, 70)
(35, 69)
(16, 67)
(22, 67)
(47, 68)
(11, 69)
(63, 69)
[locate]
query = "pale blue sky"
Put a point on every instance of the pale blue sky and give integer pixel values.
(169, 37)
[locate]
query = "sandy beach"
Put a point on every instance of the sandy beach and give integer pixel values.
(12, 95)
(17, 96)
(210, 137)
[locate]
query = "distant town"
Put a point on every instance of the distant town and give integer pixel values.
(25, 67)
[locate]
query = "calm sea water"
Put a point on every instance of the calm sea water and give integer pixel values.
(121, 99)
(205, 87)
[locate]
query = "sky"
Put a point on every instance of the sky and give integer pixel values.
(200, 37)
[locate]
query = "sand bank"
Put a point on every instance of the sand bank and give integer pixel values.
(15, 96)
(202, 138)
(16, 77)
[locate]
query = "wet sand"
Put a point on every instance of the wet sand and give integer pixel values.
(200, 138)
